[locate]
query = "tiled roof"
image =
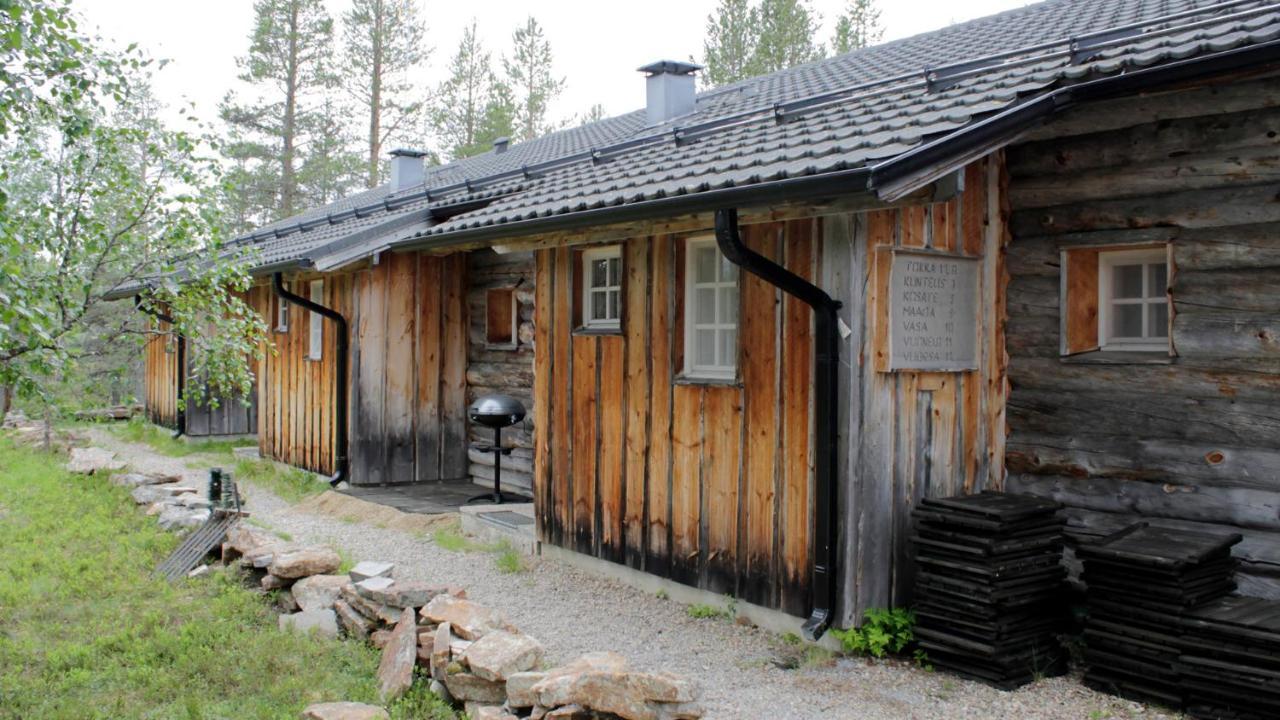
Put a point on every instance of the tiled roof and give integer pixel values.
(852, 111)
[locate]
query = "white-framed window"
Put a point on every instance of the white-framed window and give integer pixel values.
(1133, 300)
(711, 312)
(282, 313)
(315, 331)
(602, 287)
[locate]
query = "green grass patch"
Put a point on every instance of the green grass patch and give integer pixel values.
(449, 537)
(87, 632)
(708, 612)
(162, 441)
(289, 483)
(509, 560)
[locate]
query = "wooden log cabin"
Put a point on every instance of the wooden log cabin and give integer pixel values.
(755, 325)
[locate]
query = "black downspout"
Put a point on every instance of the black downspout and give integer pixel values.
(341, 440)
(826, 368)
(181, 374)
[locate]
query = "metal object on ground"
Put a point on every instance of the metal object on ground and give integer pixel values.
(198, 545)
(215, 486)
(497, 412)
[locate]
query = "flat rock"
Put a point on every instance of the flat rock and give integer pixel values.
(629, 695)
(481, 711)
(344, 711)
(399, 656)
(464, 686)
(322, 622)
(241, 538)
(132, 480)
(440, 654)
(88, 461)
(366, 569)
(304, 562)
(148, 494)
(467, 619)
(262, 556)
(520, 686)
(399, 593)
(318, 591)
(194, 501)
(500, 654)
(273, 582)
(177, 517)
(379, 638)
(353, 623)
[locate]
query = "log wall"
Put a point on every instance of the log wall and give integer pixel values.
(501, 368)
(1192, 440)
(907, 435)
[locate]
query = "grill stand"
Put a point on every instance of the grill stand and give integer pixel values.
(496, 497)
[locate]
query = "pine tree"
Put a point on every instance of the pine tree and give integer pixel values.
(384, 44)
(464, 104)
(594, 113)
(729, 50)
(786, 36)
(289, 57)
(530, 79)
(330, 170)
(858, 27)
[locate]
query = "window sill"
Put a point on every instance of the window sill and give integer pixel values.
(597, 331)
(280, 330)
(501, 346)
(1120, 357)
(311, 358)
(707, 381)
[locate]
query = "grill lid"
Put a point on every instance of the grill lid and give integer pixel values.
(496, 411)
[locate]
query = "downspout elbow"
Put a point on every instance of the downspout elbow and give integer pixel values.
(825, 581)
(341, 471)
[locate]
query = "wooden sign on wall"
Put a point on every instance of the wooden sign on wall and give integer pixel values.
(933, 312)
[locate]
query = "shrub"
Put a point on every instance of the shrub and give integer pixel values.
(883, 632)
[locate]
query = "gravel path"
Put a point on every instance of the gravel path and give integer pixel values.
(573, 612)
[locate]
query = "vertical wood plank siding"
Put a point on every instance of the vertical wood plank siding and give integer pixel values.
(408, 318)
(907, 435)
(160, 375)
(666, 476)
(1192, 441)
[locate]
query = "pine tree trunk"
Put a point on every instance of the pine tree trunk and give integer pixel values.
(288, 181)
(375, 100)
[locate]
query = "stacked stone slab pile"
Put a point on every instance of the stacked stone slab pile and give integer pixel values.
(175, 505)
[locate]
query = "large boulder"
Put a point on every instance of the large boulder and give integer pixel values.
(399, 656)
(520, 693)
(180, 517)
(500, 654)
(344, 711)
(629, 695)
(304, 562)
(468, 620)
(88, 461)
(318, 591)
(322, 622)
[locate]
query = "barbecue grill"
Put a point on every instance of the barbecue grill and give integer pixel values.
(497, 412)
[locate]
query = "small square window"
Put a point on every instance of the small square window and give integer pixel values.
(282, 313)
(500, 317)
(711, 312)
(1133, 299)
(602, 288)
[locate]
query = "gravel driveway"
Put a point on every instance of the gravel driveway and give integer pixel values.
(573, 612)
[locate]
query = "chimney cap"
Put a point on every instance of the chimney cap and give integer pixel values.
(500, 144)
(670, 67)
(408, 152)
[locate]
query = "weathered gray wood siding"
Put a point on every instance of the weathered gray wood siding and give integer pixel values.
(1193, 441)
(501, 368)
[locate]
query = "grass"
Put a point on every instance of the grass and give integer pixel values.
(708, 612)
(162, 441)
(86, 632)
(289, 483)
(507, 559)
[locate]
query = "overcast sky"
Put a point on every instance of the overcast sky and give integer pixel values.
(597, 45)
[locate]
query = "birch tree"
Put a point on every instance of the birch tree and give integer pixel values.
(384, 43)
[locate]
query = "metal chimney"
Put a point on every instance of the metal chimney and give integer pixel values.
(670, 89)
(501, 144)
(408, 168)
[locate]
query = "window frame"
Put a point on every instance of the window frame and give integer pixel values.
(282, 312)
(1108, 260)
(693, 370)
(315, 327)
(589, 255)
